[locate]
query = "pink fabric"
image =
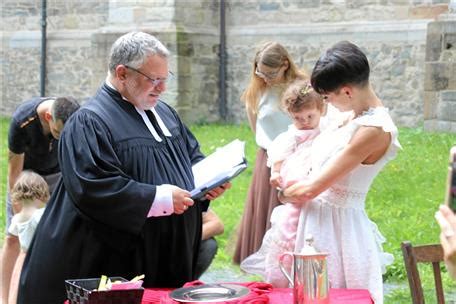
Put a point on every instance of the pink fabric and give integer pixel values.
(305, 135)
(336, 296)
(286, 219)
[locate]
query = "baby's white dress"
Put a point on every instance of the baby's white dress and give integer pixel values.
(25, 230)
(337, 219)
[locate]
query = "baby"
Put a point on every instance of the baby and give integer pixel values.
(289, 159)
(30, 194)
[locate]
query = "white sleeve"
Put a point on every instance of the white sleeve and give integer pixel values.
(163, 202)
(13, 227)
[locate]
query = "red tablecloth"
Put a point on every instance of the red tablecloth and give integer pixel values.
(273, 296)
(263, 293)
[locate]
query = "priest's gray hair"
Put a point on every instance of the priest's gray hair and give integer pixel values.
(132, 49)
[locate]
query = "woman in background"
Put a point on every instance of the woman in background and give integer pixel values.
(273, 69)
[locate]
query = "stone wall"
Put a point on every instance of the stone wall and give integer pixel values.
(396, 62)
(392, 33)
(80, 33)
(440, 75)
(69, 52)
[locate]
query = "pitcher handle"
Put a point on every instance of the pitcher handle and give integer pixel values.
(282, 267)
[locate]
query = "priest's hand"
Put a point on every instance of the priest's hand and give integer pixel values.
(181, 200)
(216, 192)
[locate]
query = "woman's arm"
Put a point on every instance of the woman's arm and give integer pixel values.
(367, 146)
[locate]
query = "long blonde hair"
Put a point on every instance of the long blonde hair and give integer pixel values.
(274, 55)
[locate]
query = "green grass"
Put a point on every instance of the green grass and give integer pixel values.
(402, 200)
(4, 122)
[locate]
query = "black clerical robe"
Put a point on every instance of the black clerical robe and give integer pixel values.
(96, 221)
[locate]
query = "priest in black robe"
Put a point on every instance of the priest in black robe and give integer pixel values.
(123, 206)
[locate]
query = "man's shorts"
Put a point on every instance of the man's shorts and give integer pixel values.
(51, 180)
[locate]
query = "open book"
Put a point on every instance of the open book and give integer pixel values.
(218, 168)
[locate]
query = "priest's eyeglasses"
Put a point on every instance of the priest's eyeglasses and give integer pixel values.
(155, 82)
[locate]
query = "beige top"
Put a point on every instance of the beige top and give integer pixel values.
(271, 120)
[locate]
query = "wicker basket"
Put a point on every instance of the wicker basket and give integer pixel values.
(81, 291)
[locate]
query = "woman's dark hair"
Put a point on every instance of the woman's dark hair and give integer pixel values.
(344, 63)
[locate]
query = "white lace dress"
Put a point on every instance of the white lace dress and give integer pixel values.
(337, 219)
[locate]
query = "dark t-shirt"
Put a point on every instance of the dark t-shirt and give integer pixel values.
(26, 136)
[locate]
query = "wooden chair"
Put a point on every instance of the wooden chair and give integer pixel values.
(423, 254)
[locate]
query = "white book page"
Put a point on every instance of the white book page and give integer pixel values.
(219, 163)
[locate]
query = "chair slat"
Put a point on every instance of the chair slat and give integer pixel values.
(438, 283)
(428, 253)
(423, 254)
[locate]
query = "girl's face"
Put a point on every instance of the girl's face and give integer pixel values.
(271, 75)
(306, 119)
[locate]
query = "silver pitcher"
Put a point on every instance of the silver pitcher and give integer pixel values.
(310, 276)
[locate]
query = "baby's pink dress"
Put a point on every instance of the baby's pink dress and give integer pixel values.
(293, 147)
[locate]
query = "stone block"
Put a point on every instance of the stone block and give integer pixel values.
(452, 74)
(446, 110)
(340, 2)
(125, 15)
(449, 41)
(430, 100)
(25, 39)
(308, 4)
(185, 49)
(269, 6)
(70, 22)
(437, 76)
(440, 2)
(434, 125)
(434, 41)
(448, 96)
(448, 56)
(428, 11)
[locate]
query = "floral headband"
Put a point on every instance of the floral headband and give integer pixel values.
(305, 90)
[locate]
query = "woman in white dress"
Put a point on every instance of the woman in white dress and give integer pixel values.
(288, 157)
(345, 160)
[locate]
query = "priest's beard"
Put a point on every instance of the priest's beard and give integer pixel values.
(140, 95)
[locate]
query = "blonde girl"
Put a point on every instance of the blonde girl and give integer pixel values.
(272, 71)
